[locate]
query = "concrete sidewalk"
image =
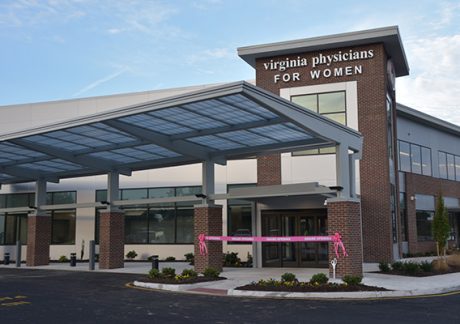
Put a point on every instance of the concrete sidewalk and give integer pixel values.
(399, 285)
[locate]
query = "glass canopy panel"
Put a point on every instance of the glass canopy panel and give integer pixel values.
(155, 149)
(282, 132)
(155, 124)
(18, 153)
(137, 154)
(54, 142)
(115, 157)
(190, 119)
(55, 165)
(247, 138)
(5, 176)
(242, 102)
(216, 142)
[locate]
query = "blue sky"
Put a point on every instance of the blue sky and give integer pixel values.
(61, 49)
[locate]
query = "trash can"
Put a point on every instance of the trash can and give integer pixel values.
(154, 261)
(6, 259)
(73, 259)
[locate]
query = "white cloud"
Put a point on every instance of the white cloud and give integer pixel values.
(98, 82)
(211, 54)
(434, 85)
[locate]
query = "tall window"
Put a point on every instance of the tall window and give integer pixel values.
(329, 104)
(403, 215)
(239, 214)
(449, 166)
(424, 206)
(414, 158)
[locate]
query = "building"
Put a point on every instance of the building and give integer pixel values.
(140, 171)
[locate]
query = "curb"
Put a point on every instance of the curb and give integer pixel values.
(170, 287)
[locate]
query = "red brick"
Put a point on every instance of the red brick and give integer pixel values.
(38, 240)
(208, 221)
(111, 240)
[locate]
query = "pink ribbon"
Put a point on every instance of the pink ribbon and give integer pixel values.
(336, 239)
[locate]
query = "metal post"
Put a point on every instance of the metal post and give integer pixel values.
(92, 254)
(73, 259)
(18, 253)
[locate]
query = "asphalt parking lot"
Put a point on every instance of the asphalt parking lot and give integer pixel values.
(50, 296)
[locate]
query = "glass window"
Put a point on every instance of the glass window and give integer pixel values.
(162, 225)
(239, 220)
(416, 158)
(307, 101)
(14, 228)
(404, 156)
(450, 167)
(403, 215)
(457, 168)
(331, 102)
(424, 202)
(426, 161)
(2, 229)
(136, 225)
(161, 192)
(65, 197)
(18, 200)
(424, 225)
(185, 225)
(63, 227)
(2, 201)
(442, 165)
(134, 194)
(101, 195)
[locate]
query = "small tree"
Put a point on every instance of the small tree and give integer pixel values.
(441, 228)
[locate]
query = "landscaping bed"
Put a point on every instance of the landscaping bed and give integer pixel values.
(188, 276)
(418, 269)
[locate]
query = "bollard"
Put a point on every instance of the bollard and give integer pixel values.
(92, 254)
(154, 261)
(18, 253)
(6, 259)
(73, 259)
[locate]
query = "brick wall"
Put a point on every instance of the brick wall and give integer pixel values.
(344, 217)
(374, 166)
(424, 185)
(111, 240)
(269, 170)
(38, 240)
(208, 221)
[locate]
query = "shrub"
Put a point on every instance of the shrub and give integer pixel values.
(231, 259)
(352, 280)
(189, 273)
(411, 267)
(319, 279)
(131, 254)
(170, 258)
(384, 267)
(63, 258)
(426, 266)
(397, 266)
(154, 274)
(168, 272)
(211, 273)
(288, 277)
(190, 258)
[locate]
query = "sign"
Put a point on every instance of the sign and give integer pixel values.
(318, 66)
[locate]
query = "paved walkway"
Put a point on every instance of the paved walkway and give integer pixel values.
(401, 285)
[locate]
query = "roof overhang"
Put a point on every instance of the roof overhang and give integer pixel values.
(232, 121)
(389, 36)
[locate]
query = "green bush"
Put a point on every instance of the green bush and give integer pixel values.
(168, 272)
(397, 266)
(352, 280)
(63, 258)
(131, 254)
(384, 267)
(289, 277)
(189, 273)
(319, 279)
(211, 273)
(411, 268)
(231, 259)
(190, 258)
(154, 274)
(426, 266)
(170, 258)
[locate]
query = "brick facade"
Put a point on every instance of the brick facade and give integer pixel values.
(111, 240)
(372, 123)
(38, 240)
(344, 217)
(208, 221)
(424, 185)
(269, 170)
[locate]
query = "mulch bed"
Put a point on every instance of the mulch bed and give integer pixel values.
(312, 288)
(421, 273)
(172, 281)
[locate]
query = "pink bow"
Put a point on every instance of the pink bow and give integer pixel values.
(337, 239)
(202, 244)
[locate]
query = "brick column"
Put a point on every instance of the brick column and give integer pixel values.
(208, 221)
(111, 239)
(269, 170)
(38, 240)
(344, 217)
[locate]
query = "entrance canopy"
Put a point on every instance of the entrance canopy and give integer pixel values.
(233, 121)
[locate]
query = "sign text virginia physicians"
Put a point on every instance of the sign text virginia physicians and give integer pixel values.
(322, 66)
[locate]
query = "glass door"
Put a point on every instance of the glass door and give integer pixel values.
(271, 252)
(289, 250)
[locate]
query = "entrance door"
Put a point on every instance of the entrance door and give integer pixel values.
(294, 223)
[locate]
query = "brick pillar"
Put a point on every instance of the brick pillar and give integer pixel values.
(344, 217)
(269, 170)
(38, 240)
(208, 221)
(111, 239)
